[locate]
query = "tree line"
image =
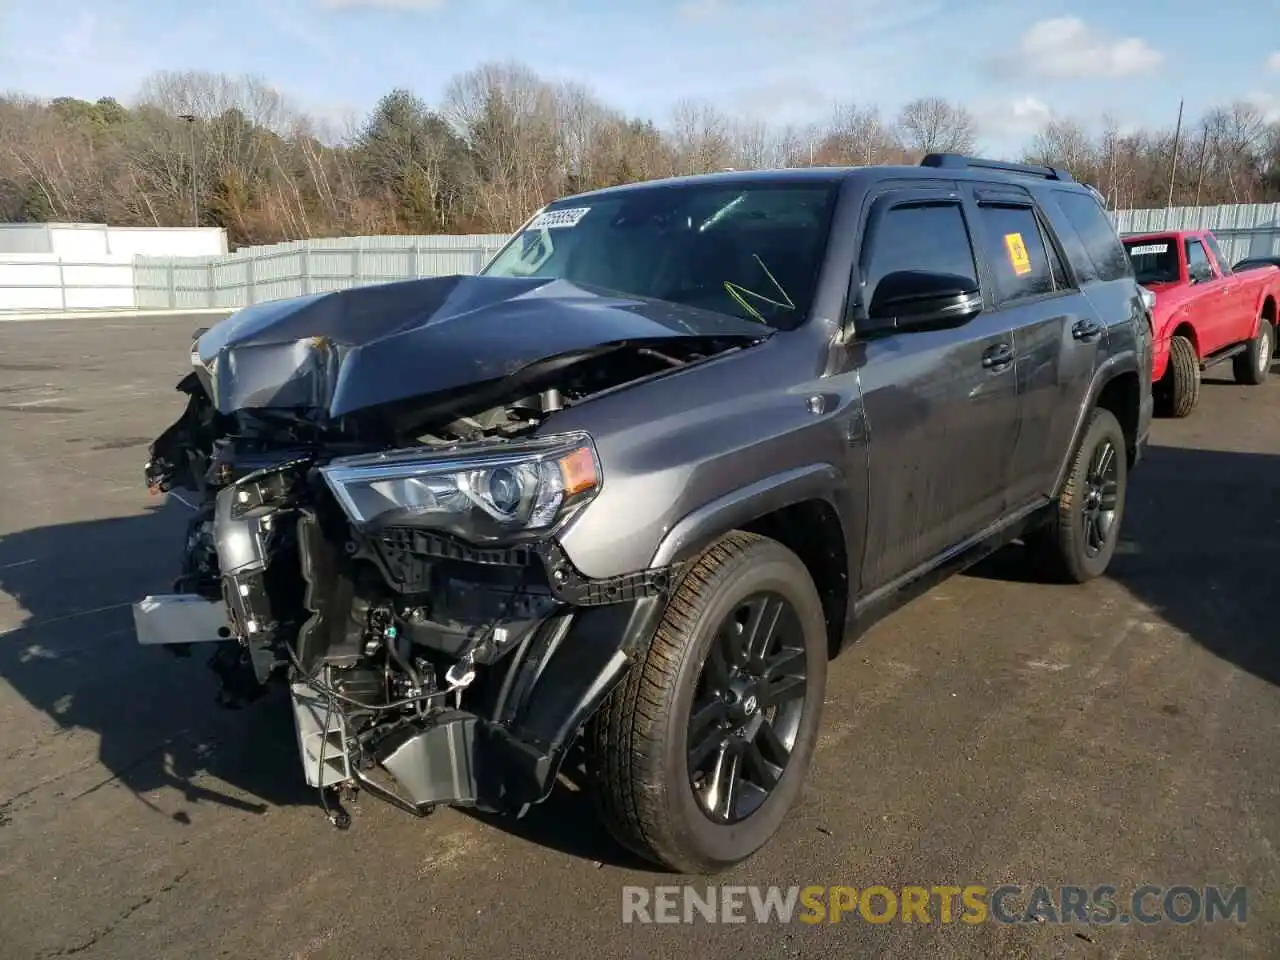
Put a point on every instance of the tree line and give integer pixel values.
(501, 141)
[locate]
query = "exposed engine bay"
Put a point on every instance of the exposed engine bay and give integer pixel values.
(396, 565)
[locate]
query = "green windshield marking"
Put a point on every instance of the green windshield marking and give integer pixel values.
(740, 294)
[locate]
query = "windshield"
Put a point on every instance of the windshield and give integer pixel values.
(749, 250)
(1154, 261)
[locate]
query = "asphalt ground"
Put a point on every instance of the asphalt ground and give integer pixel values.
(996, 731)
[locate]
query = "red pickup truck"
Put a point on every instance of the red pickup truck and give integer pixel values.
(1204, 313)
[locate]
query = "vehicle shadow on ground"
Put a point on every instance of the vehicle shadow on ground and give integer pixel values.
(1200, 539)
(75, 659)
(567, 822)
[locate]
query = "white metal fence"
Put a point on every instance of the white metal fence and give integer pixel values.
(1243, 229)
(41, 282)
(304, 267)
(35, 281)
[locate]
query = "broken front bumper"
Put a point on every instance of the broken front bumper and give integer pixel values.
(176, 619)
(501, 755)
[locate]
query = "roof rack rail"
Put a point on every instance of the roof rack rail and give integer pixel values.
(958, 161)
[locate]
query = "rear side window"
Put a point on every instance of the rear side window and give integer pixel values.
(1016, 250)
(926, 236)
(1106, 256)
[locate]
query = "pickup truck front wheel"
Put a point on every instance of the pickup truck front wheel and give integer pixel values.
(1178, 391)
(1079, 541)
(698, 756)
(1252, 366)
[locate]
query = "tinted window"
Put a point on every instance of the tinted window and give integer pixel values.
(1106, 256)
(1198, 267)
(1016, 251)
(928, 237)
(750, 250)
(1154, 261)
(1223, 266)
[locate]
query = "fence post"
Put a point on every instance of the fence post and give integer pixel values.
(304, 268)
(357, 264)
(171, 289)
(250, 293)
(212, 299)
(62, 283)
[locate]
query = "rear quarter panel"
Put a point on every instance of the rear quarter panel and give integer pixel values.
(1258, 287)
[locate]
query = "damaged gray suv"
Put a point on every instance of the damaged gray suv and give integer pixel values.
(635, 483)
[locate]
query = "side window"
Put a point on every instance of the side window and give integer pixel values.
(1014, 247)
(1107, 260)
(921, 236)
(1198, 267)
(1224, 267)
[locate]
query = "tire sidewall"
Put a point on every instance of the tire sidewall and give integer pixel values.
(1105, 427)
(770, 568)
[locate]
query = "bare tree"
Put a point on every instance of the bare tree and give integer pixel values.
(503, 141)
(934, 125)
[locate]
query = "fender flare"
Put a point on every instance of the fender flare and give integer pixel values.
(1263, 297)
(1108, 370)
(701, 527)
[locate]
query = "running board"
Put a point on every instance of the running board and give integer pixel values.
(1221, 355)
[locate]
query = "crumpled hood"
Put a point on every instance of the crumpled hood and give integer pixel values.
(346, 351)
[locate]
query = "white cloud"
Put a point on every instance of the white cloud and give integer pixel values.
(1268, 105)
(383, 4)
(1273, 62)
(1067, 48)
(1012, 119)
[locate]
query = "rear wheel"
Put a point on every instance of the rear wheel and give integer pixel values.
(697, 758)
(1252, 366)
(1178, 391)
(1078, 543)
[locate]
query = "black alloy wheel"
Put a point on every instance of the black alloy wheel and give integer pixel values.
(699, 754)
(747, 709)
(1101, 497)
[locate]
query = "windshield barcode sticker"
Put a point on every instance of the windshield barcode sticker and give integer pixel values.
(1148, 248)
(554, 219)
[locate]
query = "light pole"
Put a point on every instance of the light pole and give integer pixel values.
(195, 172)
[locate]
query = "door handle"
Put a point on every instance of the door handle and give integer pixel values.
(998, 357)
(1086, 330)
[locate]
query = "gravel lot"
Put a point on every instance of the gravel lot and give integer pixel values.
(996, 731)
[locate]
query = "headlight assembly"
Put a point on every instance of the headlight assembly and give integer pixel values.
(483, 494)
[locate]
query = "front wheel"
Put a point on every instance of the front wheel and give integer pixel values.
(1252, 366)
(1078, 543)
(1178, 391)
(697, 758)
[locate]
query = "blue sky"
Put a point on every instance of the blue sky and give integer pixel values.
(1013, 64)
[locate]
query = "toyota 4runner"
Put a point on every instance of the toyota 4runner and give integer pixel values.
(632, 485)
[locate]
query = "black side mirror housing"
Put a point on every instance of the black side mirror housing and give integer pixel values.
(920, 300)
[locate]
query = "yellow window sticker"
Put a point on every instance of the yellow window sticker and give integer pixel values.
(1019, 259)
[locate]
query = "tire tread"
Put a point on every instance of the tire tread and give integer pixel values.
(624, 739)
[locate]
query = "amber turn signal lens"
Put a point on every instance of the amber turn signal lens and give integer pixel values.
(578, 472)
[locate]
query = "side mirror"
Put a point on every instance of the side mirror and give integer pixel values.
(921, 300)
